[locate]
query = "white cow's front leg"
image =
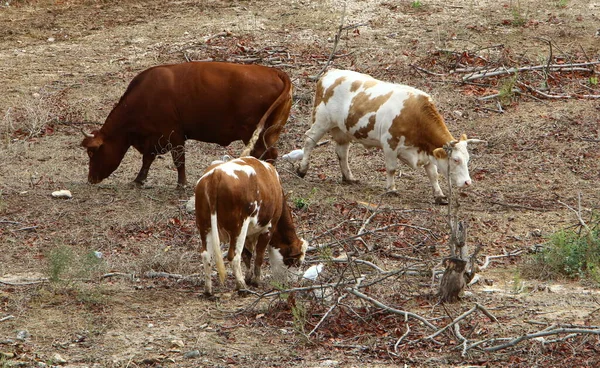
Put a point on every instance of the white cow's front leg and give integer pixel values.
(316, 132)
(391, 167)
(237, 257)
(432, 173)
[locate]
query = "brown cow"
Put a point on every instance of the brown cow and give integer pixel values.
(242, 202)
(206, 101)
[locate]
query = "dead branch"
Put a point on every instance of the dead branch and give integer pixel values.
(153, 274)
(6, 318)
(224, 33)
(543, 94)
(335, 43)
(540, 334)
(455, 322)
(419, 69)
(327, 314)
(390, 309)
(383, 228)
(358, 261)
(553, 67)
(10, 222)
(462, 338)
(511, 205)
(488, 259)
(578, 212)
(118, 274)
(32, 282)
(403, 336)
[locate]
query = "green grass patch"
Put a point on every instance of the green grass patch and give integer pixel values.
(569, 253)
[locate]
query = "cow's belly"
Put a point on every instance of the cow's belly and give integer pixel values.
(369, 142)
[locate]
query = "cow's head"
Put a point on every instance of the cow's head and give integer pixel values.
(458, 163)
(295, 258)
(105, 155)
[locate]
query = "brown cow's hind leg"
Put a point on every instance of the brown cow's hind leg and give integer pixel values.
(178, 154)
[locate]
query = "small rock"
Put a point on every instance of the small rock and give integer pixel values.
(177, 343)
(7, 355)
(536, 233)
(51, 39)
(329, 363)
(22, 335)
(58, 359)
(192, 354)
(150, 325)
(62, 194)
(190, 205)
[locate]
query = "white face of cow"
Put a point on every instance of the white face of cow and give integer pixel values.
(458, 164)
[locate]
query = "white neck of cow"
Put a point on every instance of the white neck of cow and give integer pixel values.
(458, 164)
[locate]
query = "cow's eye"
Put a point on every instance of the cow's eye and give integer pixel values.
(456, 160)
(90, 153)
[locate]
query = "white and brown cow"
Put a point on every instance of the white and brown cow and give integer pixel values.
(401, 120)
(242, 202)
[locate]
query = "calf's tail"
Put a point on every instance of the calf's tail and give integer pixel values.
(216, 247)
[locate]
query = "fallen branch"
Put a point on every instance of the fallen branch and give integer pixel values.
(553, 67)
(6, 318)
(390, 309)
(327, 314)
(32, 282)
(476, 307)
(488, 259)
(557, 331)
(224, 33)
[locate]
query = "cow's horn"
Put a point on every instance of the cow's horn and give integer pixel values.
(452, 143)
(87, 135)
(472, 140)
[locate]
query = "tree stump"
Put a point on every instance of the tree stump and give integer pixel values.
(453, 281)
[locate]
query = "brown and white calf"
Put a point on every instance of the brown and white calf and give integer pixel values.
(242, 202)
(401, 120)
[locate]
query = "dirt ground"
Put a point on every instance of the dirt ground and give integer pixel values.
(63, 66)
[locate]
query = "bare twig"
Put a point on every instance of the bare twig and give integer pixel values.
(403, 336)
(224, 33)
(390, 309)
(6, 318)
(32, 282)
(553, 67)
(556, 331)
(327, 314)
(153, 274)
(335, 43)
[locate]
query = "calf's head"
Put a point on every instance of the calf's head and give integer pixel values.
(458, 162)
(105, 155)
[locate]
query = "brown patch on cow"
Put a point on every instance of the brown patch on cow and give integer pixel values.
(330, 90)
(363, 132)
(421, 125)
(362, 104)
(318, 98)
(355, 85)
(370, 84)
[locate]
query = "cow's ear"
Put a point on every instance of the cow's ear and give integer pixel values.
(440, 153)
(463, 137)
(92, 143)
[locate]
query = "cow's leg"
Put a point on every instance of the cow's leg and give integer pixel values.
(249, 249)
(391, 167)
(316, 132)
(261, 246)
(432, 173)
(341, 149)
(206, 260)
(178, 154)
(147, 160)
(236, 262)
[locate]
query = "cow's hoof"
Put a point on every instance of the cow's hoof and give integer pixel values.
(349, 181)
(181, 186)
(442, 201)
(251, 282)
(300, 173)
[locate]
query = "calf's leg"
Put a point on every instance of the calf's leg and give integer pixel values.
(341, 149)
(236, 262)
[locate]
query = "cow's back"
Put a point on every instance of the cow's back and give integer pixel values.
(207, 101)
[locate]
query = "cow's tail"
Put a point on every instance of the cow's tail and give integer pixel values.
(283, 97)
(215, 242)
